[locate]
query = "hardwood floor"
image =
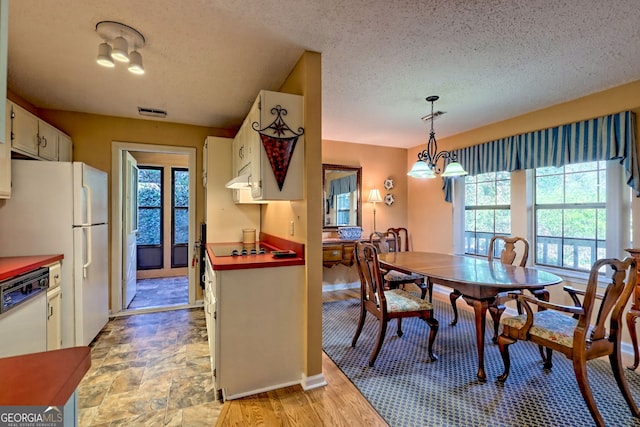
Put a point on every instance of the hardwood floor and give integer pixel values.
(337, 404)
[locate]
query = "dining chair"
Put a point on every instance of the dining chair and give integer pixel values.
(387, 304)
(577, 334)
(404, 246)
(389, 241)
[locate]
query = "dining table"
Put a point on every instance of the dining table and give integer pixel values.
(477, 280)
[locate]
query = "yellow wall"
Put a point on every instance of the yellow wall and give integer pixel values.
(305, 79)
(430, 217)
(378, 163)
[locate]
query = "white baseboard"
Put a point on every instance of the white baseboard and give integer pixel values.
(315, 381)
(256, 391)
(340, 286)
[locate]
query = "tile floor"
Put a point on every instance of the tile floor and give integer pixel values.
(148, 370)
(160, 292)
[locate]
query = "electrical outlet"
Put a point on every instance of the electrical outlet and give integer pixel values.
(291, 228)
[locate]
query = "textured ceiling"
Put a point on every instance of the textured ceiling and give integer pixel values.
(205, 60)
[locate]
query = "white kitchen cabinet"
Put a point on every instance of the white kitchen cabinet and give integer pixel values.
(250, 155)
(47, 141)
(254, 326)
(54, 319)
(54, 304)
(5, 160)
(36, 138)
(65, 148)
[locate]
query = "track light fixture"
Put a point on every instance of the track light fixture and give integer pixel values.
(117, 38)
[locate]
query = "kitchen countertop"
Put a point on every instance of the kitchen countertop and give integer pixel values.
(17, 265)
(48, 378)
(258, 261)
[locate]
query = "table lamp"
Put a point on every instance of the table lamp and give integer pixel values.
(374, 197)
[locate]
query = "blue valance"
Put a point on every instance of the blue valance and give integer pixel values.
(611, 137)
(342, 185)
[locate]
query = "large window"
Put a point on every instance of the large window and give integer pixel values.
(570, 215)
(487, 210)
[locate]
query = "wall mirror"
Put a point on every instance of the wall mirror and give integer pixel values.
(342, 190)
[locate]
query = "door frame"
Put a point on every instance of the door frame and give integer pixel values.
(117, 150)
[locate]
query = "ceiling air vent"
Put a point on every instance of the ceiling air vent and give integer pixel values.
(152, 112)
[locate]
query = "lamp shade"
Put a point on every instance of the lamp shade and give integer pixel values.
(135, 63)
(421, 170)
(374, 196)
(120, 50)
(454, 169)
(104, 55)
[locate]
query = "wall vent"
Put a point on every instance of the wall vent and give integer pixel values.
(152, 112)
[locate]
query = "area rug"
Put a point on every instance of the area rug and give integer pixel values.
(407, 389)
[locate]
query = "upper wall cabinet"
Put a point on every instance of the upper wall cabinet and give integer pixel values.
(35, 138)
(269, 147)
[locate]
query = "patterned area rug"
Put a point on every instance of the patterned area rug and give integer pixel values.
(409, 390)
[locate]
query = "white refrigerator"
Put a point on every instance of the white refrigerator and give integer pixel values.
(61, 207)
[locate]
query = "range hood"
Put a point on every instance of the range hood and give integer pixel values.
(239, 182)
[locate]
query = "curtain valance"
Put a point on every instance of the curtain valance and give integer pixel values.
(611, 137)
(342, 185)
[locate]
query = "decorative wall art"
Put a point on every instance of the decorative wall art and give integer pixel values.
(388, 184)
(389, 199)
(279, 141)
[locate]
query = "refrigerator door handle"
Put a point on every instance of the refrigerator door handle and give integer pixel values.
(86, 265)
(87, 190)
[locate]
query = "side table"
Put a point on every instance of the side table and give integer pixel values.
(634, 311)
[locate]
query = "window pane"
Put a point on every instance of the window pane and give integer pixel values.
(576, 185)
(486, 193)
(503, 221)
(181, 188)
(485, 221)
(149, 227)
(181, 226)
(548, 222)
(470, 194)
(503, 192)
(149, 187)
(580, 223)
(549, 190)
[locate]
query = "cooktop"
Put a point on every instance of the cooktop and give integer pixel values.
(240, 249)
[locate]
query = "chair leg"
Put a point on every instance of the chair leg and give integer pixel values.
(548, 361)
(400, 326)
(363, 313)
(616, 366)
(423, 288)
(580, 369)
(453, 296)
(433, 331)
(381, 333)
(496, 310)
(632, 315)
(503, 343)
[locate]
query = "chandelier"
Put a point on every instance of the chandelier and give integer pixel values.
(427, 164)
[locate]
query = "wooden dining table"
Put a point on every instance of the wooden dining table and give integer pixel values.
(478, 280)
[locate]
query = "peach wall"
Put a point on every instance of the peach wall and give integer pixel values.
(430, 217)
(378, 163)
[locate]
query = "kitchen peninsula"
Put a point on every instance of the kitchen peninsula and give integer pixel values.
(254, 313)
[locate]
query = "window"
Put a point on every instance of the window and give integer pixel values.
(149, 206)
(571, 215)
(179, 216)
(343, 209)
(487, 210)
